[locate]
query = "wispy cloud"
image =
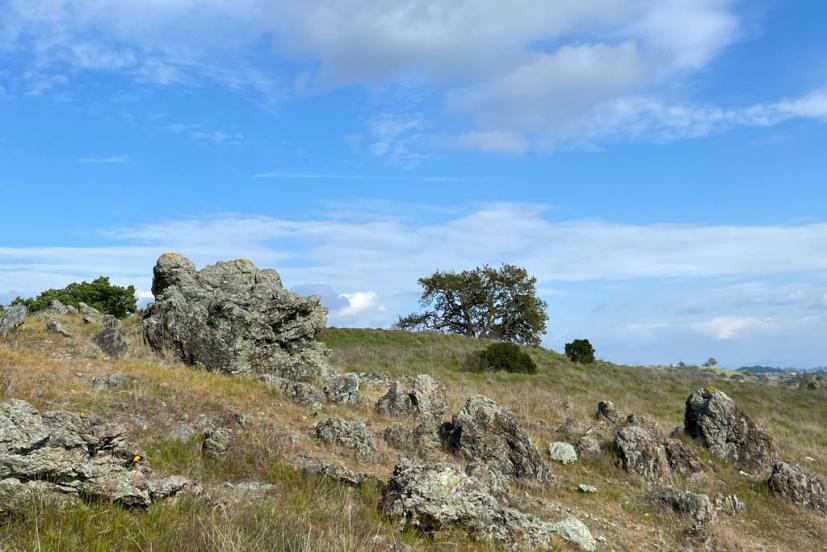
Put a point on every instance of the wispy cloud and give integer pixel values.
(110, 160)
(308, 176)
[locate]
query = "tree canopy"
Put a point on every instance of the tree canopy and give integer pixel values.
(486, 302)
(580, 350)
(99, 293)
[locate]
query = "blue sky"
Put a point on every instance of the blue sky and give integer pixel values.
(658, 165)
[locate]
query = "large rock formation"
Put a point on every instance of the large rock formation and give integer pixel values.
(11, 318)
(233, 317)
(792, 483)
(428, 498)
(420, 396)
(73, 455)
(712, 418)
(484, 431)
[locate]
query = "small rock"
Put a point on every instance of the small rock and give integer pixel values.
(58, 308)
(117, 380)
(110, 340)
(299, 392)
(696, 506)
(682, 459)
(606, 411)
(352, 435)
(340, 474)
(563, 453)
(54, 326)
(182, 432)
(398, 437)
(729, 504)
(90, 315)
(583, 488)
(216, 442)
(343, 389)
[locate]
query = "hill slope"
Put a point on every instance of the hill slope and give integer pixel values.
(307, 512)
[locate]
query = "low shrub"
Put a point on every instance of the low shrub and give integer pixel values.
(99, 293)
(506, 356)
(580, 350)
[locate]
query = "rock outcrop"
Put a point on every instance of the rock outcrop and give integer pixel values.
(428, 498)
(72, 455)
(233, 317)
(351, 435)
(343, 389)
(719, 425)
(484, 431)
(11, 318)
(298, 391)
(420, 396)
(89, 315)
(638, 444)
(698, 507)
(790, 482)
(110, 339)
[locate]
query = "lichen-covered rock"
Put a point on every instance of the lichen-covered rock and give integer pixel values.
(352, 435)
(343, 389)
(398, 437)
(11, 318)
(696, 506)
(54, 326)
(89, 315)
(298, 391)
(68, 454)
(563, 453)
(428, 498)
(728, 504)
(594, 441)
(110, 339)
(338, 473)
(638, 445)
(233, 317)
(216, 441)
(682, 459)
(719, 425)
(59, 308)
(790, 482)
(484, 431)
(421, 396)
(492, 481)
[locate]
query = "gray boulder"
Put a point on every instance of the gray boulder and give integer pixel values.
(343, 389)
(606, 411)
(338, 473)
(428, 498)
(698, 507)
(59, 308)
(639, 448)
(11, 318)
(682, 459)
(235, 318)
(89, 315)
(352, 435)
(594, 441)
(563, 453)
(54, 326)
(110, 339)
(419, 396)
(63, 453)
(398, 437)
(790, 482)
(484, 431)
(719, 425)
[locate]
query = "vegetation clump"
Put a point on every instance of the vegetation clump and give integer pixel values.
(99, 293)
(506, 356)
(580, 350)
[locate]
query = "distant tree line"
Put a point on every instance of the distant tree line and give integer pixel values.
(99, 293)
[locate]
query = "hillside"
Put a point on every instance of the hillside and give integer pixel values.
(302, 511)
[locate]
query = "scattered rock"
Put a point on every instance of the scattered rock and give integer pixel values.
(398, 437)
(216, 441)
(340, 474)
(563, 453)
(638, 444)
(492, 480)
(606, 411)
(589, 489)
(110, 339)
(78, 455)
(420, 396)
(167, 487)
(696, 506)
(11, 318)
(570, 427)
(484, 431)
(728, 504)
(298, 391)
(54, 326)
(235, 318)
(343, 389)
(790, 482)
(438, 496)
(712, 418)
(58, 308)
(352, 435)
(90, 315)
(594, 441)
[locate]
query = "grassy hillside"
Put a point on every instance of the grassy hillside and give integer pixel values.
(304, 512)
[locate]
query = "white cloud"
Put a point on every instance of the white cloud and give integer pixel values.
(112, 159)
(360, 302)
(732, 327)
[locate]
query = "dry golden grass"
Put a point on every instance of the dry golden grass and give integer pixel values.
(307, 513)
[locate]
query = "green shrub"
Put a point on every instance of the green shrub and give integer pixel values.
(507, 356)
(580, 350)
(99, 293)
